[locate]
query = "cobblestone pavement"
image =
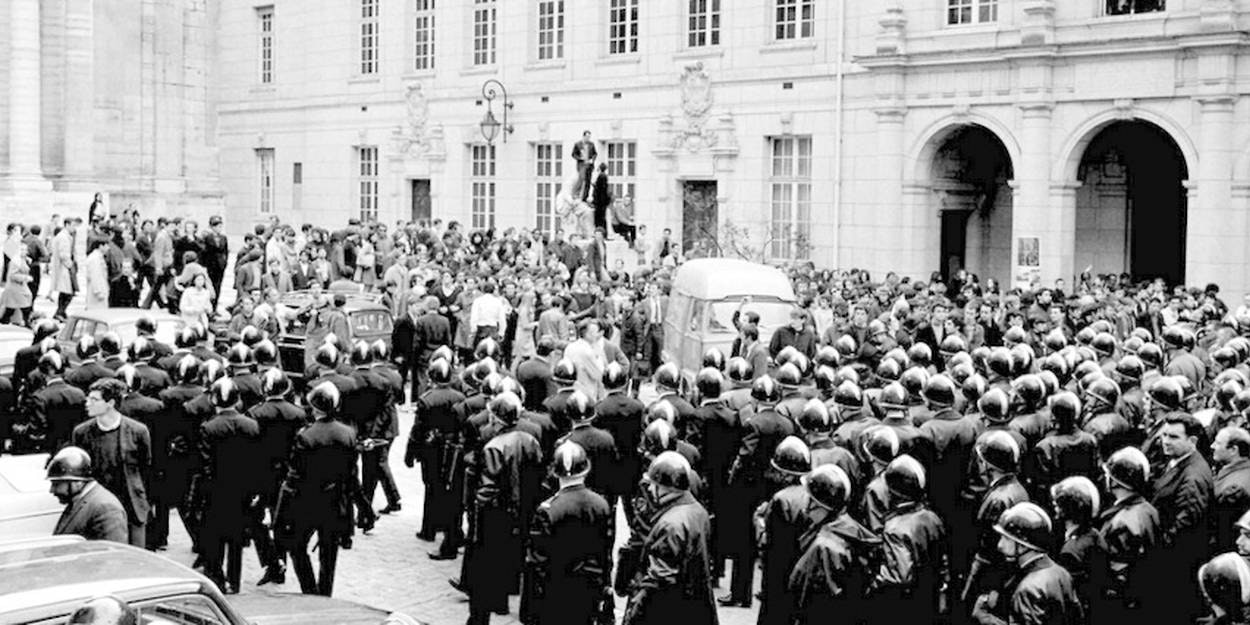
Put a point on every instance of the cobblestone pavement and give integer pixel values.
(388, 568)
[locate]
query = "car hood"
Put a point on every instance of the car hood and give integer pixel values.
(280, 608)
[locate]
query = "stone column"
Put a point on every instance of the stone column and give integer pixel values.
(1214, 242)
(80, 86)
(1031, 214)
(25, 171)
(903, 244)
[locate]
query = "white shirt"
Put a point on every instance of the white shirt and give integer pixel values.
(488, 310)
(589, 360)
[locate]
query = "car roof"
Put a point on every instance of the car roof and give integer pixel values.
(7, 329)
(720, 278)
(122, 315)
(59, 570)
(355, 301)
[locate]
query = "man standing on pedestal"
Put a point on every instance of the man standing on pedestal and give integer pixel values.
(585, 154)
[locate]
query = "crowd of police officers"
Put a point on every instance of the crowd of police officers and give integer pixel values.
(1050, 483)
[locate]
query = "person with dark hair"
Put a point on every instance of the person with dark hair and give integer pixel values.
(584, 153)
(121, 452)
(601, 198)
(1182, 495)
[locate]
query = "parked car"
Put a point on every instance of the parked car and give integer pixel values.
(12, 338)
(45, 580)
(27, 509)
(119, 320)
(368, 318)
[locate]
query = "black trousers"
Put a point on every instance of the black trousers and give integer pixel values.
(220, 549)
(62, 302)
(375, 468)
(327, 555)
(215, 276)
(159, 281)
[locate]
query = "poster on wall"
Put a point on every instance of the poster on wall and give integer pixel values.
(1028, 271)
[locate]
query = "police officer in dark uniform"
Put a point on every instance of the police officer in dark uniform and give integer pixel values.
(1076, 504)
(998, 454)
(197, 409)
(953, 436)
(326, 361)
(721, 435)
(668, 382)
(1100, 418)
(908, 585)
(184, 341)
(145, 328)
(853, 417)
(565, 375)
(621, 416)
(434, 442)
(568, 556)
(279, 421)
(226, 484)
(26, 360)
(674, 584)
(57, 407)
(596, 444)
(912, 440)
(243, 374)
(1066, 451)
(152, 380)
(1039, 590)
(1131, 532)
(88, 369)
(787, 519)
(376, 426)
(316, 495)
(833, 569)
(763, 432)
(506, 497)
(111, 351)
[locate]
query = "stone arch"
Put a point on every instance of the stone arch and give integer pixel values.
(930, 140)
(1073, 150)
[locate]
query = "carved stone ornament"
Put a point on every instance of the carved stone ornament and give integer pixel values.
(696, 106)
(411, 139)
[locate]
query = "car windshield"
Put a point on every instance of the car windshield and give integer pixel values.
(370, 322)
(773, 314)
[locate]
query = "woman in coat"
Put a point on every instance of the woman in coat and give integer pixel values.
(97, 282)
(196, 304)
(16, 298)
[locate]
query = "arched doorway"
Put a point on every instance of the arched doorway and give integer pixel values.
(972, 175)
(1132, 203)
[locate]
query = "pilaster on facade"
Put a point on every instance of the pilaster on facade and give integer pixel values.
(1038, 28)
(892, 31)
(79, 110)
(25, 86)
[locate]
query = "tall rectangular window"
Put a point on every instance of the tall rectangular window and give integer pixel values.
(550, 29)
(483, 32)
(622, 161)
(550, 172)
(369, 36)
(264, 22)
(971, 11)
(264, 180)
(790, 182)
(1127, 7)
(796, 19)
(367, 181)
(622, 26)
(423, 36)
(482, 195)
(703, 24)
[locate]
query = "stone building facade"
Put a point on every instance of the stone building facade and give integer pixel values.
(108, 96)
(1023, 140)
